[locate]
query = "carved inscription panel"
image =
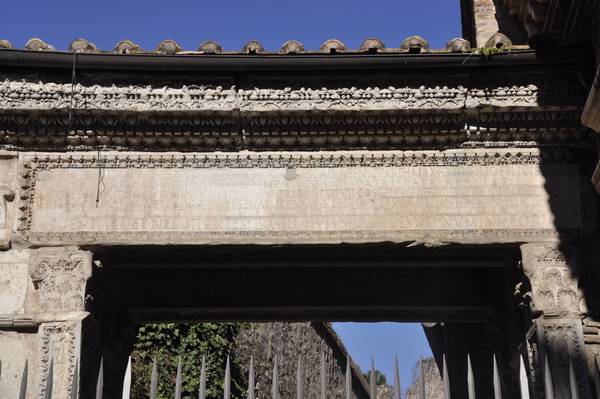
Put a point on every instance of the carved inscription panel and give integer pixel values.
(298, 198)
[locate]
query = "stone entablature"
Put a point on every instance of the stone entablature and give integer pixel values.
(455, 195)
(376, 112)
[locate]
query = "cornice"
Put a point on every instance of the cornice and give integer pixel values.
(417, 112)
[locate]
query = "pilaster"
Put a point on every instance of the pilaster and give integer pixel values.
(555, 304)
(8, 178)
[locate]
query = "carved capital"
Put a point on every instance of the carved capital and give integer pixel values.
(550, 271)
(60, 275)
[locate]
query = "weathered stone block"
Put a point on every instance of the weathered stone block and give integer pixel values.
(460, 196)
(8, 180)
(14, 281)
(17, 347)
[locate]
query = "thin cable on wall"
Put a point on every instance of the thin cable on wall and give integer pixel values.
(72, 113)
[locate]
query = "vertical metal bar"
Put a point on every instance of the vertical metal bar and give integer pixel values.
(127, 380)
(446, 379)
(523, 380)
(50, 381)
(24, 377)
(497, 386)
(597, 376)
(470, 378)
(100, 380)
(75, 381)
(251, 382)
(154, 379)
(275, 384)
(422, 380)
(323, 377)
(300, 379)
(178, 380)
(548, 388)
(202, 387)
(372, 380)
(397, 388)
(348, 378)
(227, 383)
(573, 380)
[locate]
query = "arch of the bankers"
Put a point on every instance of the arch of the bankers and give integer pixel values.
(439, 187)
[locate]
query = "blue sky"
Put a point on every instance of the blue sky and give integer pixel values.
(232, 23)
(383, 341)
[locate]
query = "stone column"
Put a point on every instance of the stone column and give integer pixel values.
(555, 308)
(59, 277)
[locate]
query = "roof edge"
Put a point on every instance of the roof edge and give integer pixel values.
(269, 62)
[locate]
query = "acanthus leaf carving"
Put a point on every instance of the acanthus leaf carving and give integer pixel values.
(550, 271)
(61, 276)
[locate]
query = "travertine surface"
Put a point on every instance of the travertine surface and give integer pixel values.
(285, 197)
(14, 281)
(8, 173)
(16, 347)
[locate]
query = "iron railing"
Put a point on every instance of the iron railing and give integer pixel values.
(524, 384)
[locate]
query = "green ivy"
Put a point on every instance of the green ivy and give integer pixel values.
(489, 51)
(167, 342)
(379, 377)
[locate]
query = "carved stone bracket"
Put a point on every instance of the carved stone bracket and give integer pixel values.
(61, 274)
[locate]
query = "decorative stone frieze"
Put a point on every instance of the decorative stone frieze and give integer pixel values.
(35, 96)
(60, 275)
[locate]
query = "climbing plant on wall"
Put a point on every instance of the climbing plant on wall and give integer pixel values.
(167, 342)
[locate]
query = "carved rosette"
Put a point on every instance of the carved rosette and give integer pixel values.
(61, 274)
(550, 272)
